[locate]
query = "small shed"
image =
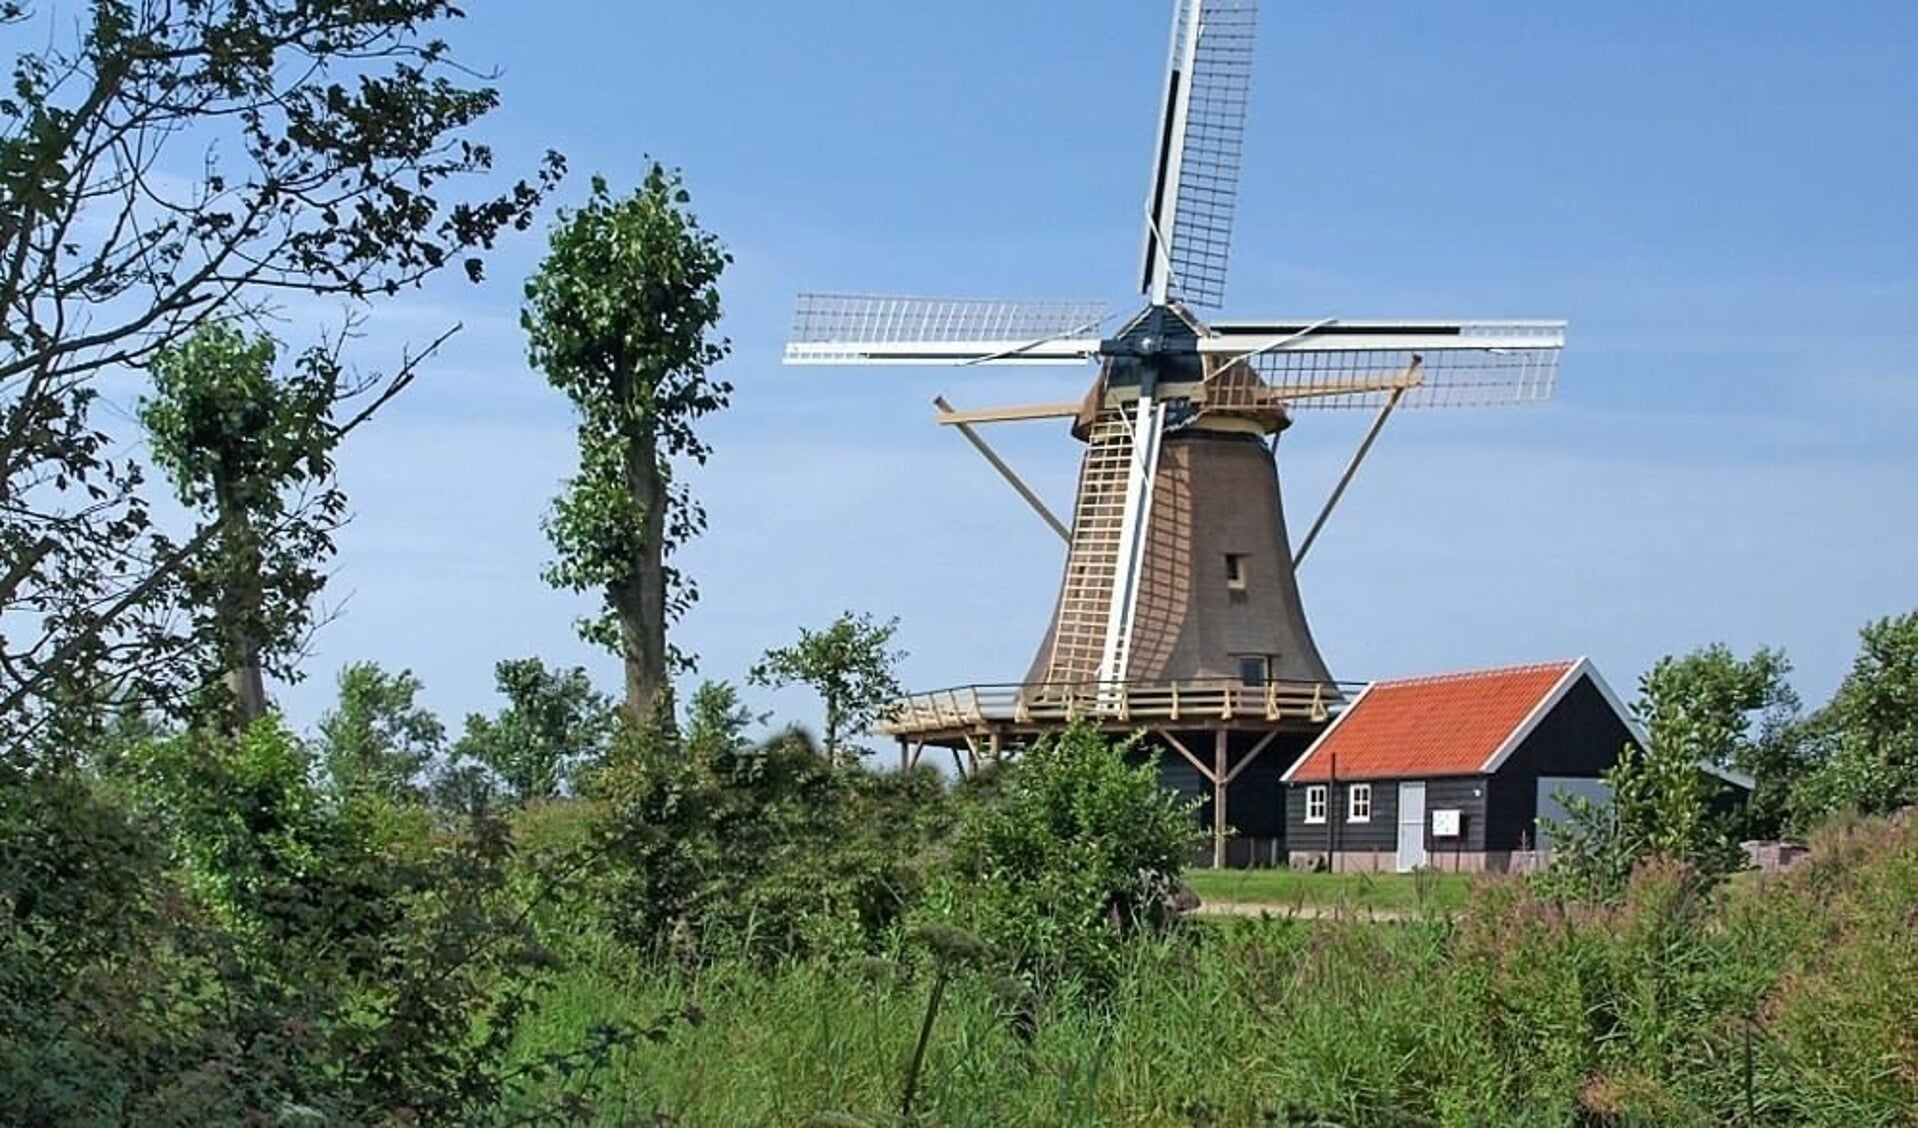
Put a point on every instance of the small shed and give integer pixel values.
(1453, 772)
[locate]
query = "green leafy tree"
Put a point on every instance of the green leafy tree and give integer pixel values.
(1738, 713)
(716, 721)
(165, 165)
(1662, 803)
(1077, 849)
(620, 317)
(252, 453)
(554, 723)
(848, 665)
(1867, 736)
(378, 738)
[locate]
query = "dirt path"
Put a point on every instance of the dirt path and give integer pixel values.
(1301, 912)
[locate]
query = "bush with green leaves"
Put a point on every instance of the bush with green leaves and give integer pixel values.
(713, 844)
(1079, 847)
(212, 939)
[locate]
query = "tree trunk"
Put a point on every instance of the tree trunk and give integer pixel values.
(240, 599)
(640, 602)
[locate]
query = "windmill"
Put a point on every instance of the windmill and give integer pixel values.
(1179, 571)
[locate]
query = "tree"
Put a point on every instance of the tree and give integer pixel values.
(1867, 736)
(253, 454)
(847, 664)
(716, 721)
(378, 738)
(554, 722)
(1661, 802)
(1735, 713)
(165, 165)
(619, 317)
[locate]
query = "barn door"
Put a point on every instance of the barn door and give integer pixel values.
(1411, 826)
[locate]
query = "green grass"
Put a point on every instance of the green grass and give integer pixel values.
(1284, 888)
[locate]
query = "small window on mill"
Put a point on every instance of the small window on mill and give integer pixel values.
(1235, 571)
(1255, 669)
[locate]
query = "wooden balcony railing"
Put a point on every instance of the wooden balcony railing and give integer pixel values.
(982, 707)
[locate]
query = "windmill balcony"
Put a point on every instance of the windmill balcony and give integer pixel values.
(1033, 709)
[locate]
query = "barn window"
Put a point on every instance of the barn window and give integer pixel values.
(1358, 803)
(1235, 571)
(1315, 803)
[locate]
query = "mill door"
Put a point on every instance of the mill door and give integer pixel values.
(1411, 826)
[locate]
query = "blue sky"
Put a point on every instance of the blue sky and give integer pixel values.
(1720, 197)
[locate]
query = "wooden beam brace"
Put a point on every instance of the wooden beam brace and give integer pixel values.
(991, 456)
(1187, 753)
(950, 418)
(1397, 384)
(1345, 479)
(1250, 756)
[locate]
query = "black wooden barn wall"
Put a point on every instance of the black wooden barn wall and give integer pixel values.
(1582, 737)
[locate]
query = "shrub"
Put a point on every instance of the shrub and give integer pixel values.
(771, 851)
(1076, 850)
(218, 942)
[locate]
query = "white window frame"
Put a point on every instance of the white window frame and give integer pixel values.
(1235, 571)
(1312, 793)
(1353, 794)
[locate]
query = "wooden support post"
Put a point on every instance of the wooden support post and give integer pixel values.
(995, 746)
(1220, 742)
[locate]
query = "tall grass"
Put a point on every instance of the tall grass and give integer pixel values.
(1784, 1000)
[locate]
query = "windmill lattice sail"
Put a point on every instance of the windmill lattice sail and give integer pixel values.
(1195, 178)
(871, 329)
(1362, 364)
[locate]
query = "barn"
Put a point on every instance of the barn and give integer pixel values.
(1454, 771)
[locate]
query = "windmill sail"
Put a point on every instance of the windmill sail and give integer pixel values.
(1358, 364)
(1195, 176)
(865, 329)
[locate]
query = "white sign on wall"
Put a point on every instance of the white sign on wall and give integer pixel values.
(1445, 824)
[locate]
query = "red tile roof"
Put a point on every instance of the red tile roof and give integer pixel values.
(1449, 725)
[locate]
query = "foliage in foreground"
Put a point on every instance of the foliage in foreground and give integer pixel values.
(715, 846)
(208, 939)
(1782, 1000)
(1077, 852)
